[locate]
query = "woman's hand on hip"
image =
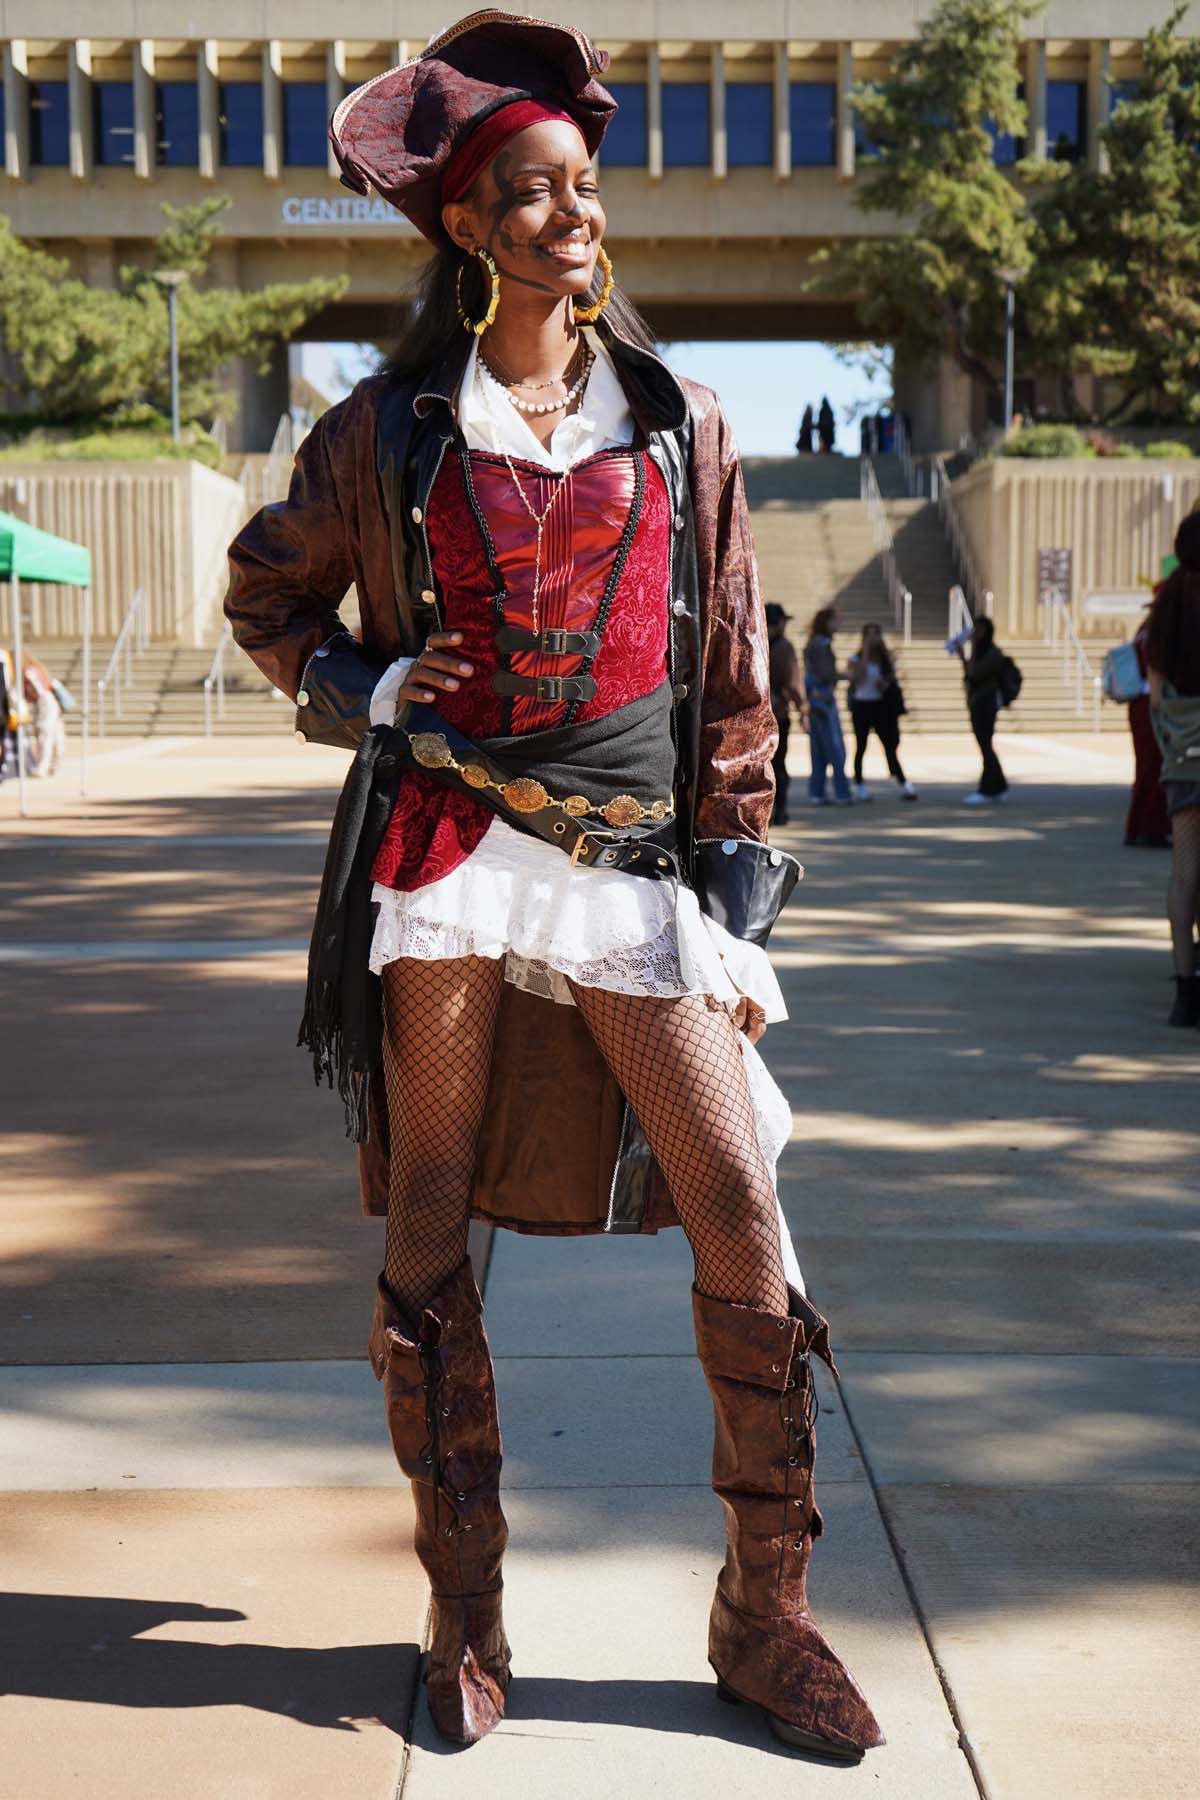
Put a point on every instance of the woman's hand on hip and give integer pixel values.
(439, 666)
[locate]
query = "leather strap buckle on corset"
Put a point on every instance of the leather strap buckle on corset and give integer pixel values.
(547, 688)
(553, 641)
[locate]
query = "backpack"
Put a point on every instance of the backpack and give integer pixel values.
(1010, 681)
(1122, 676)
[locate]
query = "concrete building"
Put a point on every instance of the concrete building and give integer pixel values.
(730, 163)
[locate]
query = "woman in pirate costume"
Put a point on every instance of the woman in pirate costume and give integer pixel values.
(538, 968)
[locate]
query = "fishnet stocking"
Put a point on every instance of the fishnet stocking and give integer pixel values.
(440, 1020)
(1183, 893)
(680, 1067)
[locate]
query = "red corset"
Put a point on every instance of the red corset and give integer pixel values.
(433, 829)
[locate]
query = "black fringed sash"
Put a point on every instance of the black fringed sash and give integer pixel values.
(342, 1024)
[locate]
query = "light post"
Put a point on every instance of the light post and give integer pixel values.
(173, 280)
(1010, 278)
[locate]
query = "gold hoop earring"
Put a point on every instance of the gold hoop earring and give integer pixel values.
(587, 315)
(479, 326)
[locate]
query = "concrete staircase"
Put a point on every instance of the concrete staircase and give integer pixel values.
(933, 690)
(166, 696)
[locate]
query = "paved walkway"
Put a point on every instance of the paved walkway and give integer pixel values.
(992, 1188)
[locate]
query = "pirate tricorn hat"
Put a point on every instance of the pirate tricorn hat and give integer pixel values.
(398, 133)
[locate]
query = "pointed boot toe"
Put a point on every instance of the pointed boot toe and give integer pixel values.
(468, 1673)
(786, 1667)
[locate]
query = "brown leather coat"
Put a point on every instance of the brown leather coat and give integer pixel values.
(559, 1152)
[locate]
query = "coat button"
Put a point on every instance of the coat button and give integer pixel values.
(776, 858)
(417, 515)
(679, 521)
(429, 597)
(679, 691)
(300, 738)
(680, 609)
(324, 650)
(729, 847)
(302, 697)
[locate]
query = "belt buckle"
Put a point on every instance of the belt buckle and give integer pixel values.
(549, 687)
(554, 641)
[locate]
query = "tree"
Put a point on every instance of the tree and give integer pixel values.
(932, 125)
(79, 355)
(1115, 286)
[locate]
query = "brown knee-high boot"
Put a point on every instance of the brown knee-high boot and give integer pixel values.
(763, 1641)
(441, 1409)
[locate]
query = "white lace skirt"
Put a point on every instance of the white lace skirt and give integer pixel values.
(518, 899)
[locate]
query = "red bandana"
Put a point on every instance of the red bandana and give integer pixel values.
(488, 139)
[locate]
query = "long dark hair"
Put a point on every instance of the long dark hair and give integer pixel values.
(821, 624)
(432, 325)
(882, 654)
(1173, 629)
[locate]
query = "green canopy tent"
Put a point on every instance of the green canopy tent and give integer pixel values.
(27, 554)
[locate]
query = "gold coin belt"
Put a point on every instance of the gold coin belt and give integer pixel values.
(525, 795)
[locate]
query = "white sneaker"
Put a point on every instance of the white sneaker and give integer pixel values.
(861, 791)
(978, 799)
(908, 791)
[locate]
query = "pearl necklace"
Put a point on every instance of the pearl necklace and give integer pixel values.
(540, 407)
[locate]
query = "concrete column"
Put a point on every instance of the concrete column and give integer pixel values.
(100, 263)
(272, 86)
(654, 129)
(1099, 95)
(335, 88)
(845, 111)
(16, 110)
(261, 401)
(405, 49)
(783, 114)
(937, 398)
(145, 111)
(718, 133)
(80, 97)
(1036, 144)
(208, 92)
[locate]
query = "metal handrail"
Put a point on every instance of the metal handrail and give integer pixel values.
(981, 599)
(1076, 668)
(959, 618)
(216, 679)
(898, 595)
(909, 468)
(118, 673)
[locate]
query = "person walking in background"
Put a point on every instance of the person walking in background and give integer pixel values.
(982, 671)
(49, 730)
(1173, 656)
(804, 441)
(826, 743)
(826, 429)
(1147, 822)
(786, 692)
(876, 705)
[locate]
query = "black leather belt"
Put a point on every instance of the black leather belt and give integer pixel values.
(422, 739)
(514, 639)
(548, 688)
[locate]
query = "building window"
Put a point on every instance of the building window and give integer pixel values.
(178, 124)
(1066, 120)
(305, 124)
(241, 124)
(1121, 91)
(624, 144)
(748, 125)
(686, 131)
(50, 119)
(113, 118)
(865, 148)
(1006, 149)
(812, 114)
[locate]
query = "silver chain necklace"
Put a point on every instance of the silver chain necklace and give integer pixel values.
(540, 407)
(539, 521)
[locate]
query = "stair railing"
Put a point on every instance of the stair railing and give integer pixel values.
(118, 673)
(910, 469)
(1077, 671)
(898, 595)
(214, 681)
(981, 599)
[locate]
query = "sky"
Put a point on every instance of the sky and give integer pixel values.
(763, 387)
